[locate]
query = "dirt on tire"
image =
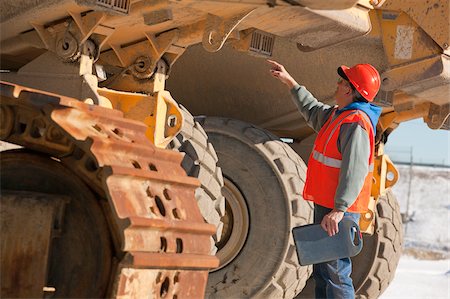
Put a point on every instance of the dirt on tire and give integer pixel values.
(270, 176)
(200, 161)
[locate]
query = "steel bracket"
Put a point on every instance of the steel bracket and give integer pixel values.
(366, 222)
(217, 30)
(67, 41)
(385, 174)
(141, 58)
(438, 116)
(89, 23)
(159, 111)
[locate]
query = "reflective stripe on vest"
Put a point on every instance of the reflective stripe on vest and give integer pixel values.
(332, 162)
(328, 161)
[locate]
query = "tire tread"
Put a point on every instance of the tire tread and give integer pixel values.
(291, 170)
(200, 161)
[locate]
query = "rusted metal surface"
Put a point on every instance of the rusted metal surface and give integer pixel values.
(25, 250)
(154, 215)
(139, 283)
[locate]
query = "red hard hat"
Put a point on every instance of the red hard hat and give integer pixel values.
(364, 77)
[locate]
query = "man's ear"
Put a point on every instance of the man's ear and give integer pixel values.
(349, 91)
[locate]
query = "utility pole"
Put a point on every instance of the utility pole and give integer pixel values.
(409, 188)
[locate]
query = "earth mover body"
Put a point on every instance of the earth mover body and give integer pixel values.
(99, 95)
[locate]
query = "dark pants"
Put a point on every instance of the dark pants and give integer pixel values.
(333, 278)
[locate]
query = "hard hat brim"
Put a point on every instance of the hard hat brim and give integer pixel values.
(341, 71)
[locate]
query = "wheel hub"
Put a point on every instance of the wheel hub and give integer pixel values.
(235, 224)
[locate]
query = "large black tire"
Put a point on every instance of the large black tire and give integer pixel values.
(81, 251)
(269, 176)
(374, 267)
(200, 161)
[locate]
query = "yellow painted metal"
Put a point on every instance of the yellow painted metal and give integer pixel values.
(165, 121)
(432, 16)
(159, 112)
(390, 120)
(153, 47)
(386, 121)
(403, 39)
(438, 115)
(88, 25)
(415, 37)
(385, 175)
(366, 223)
(407, 74)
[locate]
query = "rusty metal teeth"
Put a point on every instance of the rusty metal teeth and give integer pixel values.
(154, 215)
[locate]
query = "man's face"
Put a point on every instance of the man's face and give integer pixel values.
(343, 94)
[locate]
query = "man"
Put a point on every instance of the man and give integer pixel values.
(340, 166)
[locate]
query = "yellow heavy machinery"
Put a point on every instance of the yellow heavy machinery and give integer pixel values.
(98, 202)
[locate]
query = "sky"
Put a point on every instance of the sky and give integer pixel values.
(427, 145)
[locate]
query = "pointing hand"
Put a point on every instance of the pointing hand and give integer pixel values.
(278, 71)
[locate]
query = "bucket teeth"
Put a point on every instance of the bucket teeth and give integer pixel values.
(156, 220)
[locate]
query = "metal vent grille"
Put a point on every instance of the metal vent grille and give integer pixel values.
(117, 5)
(262, 43)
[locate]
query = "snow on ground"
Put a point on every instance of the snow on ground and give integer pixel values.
(420, 279)
(424, 269)
(429, 206)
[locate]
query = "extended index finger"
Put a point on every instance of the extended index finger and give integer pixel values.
(274, 63)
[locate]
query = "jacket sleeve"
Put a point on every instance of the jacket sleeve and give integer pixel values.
(315, 113)
(354, 145)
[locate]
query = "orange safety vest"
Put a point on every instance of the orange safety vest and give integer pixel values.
(322, 176)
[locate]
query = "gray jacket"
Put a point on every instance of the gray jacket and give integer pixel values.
(353, 144)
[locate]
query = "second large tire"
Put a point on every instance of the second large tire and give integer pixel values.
(374, 267)
(266, 176)
(200, 161)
